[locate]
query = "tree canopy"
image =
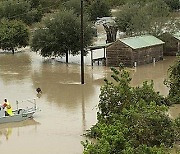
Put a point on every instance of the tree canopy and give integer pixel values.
(94, 9)
(74, 5)
(60, 34)
(13, 34)
(98, 8)
(173, 82)
(131, 119)
(20, 10)
(173, 4)
(143, 18)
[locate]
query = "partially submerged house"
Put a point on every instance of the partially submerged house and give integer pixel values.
(172, 44)
(134, 51)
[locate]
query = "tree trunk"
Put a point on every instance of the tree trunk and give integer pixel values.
(12, 51)
(111, 31)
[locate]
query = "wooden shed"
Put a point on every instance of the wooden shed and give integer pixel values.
(134, 51)
(172, 44)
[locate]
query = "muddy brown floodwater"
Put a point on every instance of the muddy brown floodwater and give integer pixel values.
(67, 107)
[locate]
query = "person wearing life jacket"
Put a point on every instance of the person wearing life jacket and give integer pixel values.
(8, 107)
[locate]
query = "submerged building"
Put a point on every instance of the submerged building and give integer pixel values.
(134, 51)
(172, 44)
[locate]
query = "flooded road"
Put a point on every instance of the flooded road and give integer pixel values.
(67, 107)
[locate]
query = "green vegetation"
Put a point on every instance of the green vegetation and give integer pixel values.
(18, 13)
(60, 34)
(135, 17)
(13, 34)
(173, 82)
(20, 10)
(74, 5)
(131, 120)
(173, 4)
(98, 8)
(146, 17)
(116, 3)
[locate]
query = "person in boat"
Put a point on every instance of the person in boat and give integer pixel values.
(6, 105)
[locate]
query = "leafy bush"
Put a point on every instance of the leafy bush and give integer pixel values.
(131, 120)
(173, 82)
(147, 93)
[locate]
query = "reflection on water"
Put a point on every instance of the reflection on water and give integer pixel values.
(67, 107)
(6, 129)
(5, 132)
(156, 72)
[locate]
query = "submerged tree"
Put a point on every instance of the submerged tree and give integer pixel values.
(111, 31)
(60, 35)
(13, 34)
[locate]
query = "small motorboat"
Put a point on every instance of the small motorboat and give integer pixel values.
(18, 114)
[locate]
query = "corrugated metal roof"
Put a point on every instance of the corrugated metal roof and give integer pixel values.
(141, 41)
(177, 35)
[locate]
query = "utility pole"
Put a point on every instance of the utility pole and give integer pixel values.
(82, 45)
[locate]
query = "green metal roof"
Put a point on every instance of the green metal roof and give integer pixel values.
(141, 41)
(177, 35)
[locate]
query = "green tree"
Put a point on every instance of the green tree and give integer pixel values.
(116, 3)
(20, 10)
(98, 8)
(74, 5)
(131, 120)
(13, 34)
(125, 18)
(173, 4)
(60, 35)
(173, 82)
(146, 17)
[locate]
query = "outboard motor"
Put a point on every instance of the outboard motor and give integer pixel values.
(2, 112)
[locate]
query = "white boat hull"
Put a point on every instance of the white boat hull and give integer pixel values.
(19, 115)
